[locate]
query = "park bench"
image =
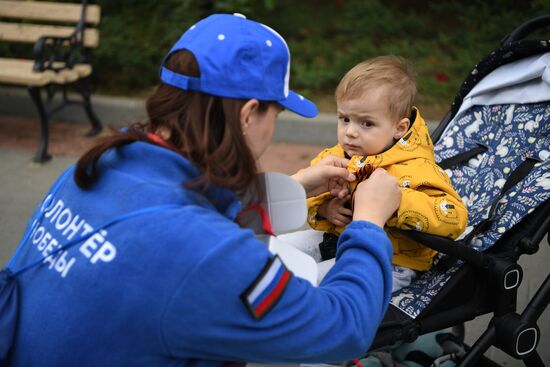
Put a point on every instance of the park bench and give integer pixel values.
(63, 35)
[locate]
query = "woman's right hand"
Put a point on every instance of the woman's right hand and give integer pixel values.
(328, 175)
(377, 198)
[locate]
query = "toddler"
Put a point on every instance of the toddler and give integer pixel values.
(379, 127)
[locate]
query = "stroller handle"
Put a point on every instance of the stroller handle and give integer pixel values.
(526, 28)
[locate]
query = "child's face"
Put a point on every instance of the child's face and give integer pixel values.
(365, 126)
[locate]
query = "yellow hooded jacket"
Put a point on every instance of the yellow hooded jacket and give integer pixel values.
(429, 203)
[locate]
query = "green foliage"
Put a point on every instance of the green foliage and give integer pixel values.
(135, 35)
(442, 39)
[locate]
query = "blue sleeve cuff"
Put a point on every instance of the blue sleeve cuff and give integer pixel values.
(363, 224)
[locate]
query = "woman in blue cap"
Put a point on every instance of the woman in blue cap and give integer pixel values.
(142, 262)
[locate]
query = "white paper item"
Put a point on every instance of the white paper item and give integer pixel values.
(299, 263)
(285, 202)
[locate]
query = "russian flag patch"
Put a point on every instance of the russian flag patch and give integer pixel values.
(266, 290)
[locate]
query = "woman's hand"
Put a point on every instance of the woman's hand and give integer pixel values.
(335, 212)
(377, 198)
(328, 175)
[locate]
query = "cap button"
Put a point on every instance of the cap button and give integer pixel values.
(240, 15)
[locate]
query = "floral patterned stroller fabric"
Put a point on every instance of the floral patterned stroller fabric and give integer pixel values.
(508, 134)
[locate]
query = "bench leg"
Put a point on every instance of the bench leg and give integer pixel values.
(42, 151)
(84, 90)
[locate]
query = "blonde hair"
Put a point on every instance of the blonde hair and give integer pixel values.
(393, 73)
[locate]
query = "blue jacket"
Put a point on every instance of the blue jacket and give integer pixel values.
(165, 289)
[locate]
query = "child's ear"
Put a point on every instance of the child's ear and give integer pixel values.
(401, 128)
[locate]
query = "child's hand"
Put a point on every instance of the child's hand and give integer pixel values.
(335, 212)
(339, 188)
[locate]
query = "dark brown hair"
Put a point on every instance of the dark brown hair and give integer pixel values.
(204, 128)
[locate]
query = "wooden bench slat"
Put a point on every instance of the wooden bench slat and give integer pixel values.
(48, 11)
(16, 71)
(29, 33)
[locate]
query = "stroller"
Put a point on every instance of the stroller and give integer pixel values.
(495, 145)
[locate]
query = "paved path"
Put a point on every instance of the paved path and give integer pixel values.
(23, 183)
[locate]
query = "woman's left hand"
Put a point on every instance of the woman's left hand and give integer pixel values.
(328, 175)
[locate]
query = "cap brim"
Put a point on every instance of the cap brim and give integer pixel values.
(299, 104)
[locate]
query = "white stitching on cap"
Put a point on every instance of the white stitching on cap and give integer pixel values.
(221, 37)
(269, 43)
(287, 74)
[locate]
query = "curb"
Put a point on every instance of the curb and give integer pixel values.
(119, 111)
(113, 111)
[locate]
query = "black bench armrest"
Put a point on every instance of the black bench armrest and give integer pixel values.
(58, 53)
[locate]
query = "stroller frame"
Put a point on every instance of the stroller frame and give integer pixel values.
(492, 277)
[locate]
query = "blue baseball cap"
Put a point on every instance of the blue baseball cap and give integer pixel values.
(238, 58)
